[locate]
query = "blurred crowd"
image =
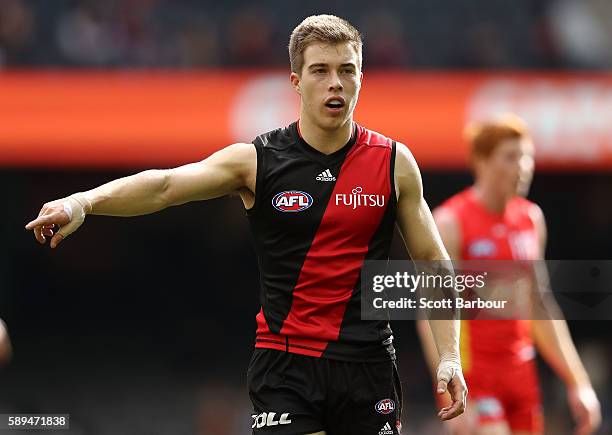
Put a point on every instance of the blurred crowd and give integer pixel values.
(408, 33)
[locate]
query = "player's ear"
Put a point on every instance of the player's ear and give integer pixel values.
(295, 82)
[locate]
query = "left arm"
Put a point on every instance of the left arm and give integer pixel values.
(554, 342)
(423, 242)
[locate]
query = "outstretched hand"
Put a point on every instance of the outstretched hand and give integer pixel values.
(67, 214)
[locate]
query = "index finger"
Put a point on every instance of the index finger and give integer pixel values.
(40, 221)
(37, 231)
(456, 408)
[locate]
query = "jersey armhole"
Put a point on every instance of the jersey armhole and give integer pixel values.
(259, 149)
(392, 172)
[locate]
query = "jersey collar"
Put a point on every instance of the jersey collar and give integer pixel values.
(313, 153)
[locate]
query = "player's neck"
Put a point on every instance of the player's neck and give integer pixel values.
(325, 141)
(490, 199)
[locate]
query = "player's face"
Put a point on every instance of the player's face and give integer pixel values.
(510, 167)
(329, 84)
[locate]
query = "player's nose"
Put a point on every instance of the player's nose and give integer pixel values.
(335, 84)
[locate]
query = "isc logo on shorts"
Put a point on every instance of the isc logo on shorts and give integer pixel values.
(385, 406)
(269, 419)
(489, 407)
(292, 201)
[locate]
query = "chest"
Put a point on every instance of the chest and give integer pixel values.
(513, 238)
(343, 199)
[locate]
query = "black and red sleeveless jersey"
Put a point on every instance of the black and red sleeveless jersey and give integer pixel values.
(316, 219)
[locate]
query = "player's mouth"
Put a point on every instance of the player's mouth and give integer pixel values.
(335, 104)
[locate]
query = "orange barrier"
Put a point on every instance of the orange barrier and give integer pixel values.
(111, 119)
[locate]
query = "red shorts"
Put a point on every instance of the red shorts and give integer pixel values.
(505, 393)
(510, 394)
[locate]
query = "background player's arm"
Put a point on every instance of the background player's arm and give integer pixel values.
(554, 342)
(232, 169)
(423, 243)
(5, 345)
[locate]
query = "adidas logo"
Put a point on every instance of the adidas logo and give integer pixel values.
(326, 175)
(386, 430)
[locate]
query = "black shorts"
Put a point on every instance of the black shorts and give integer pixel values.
(295, 395)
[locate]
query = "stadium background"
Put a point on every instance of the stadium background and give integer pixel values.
(146, 325)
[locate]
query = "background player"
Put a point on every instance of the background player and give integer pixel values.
(492, 220)
(310, 247)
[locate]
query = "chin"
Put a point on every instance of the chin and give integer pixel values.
(521, 189)
(332, 123)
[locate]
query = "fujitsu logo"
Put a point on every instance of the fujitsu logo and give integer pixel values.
(359, 199)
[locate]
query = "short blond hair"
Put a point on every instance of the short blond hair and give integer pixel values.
(328, 29)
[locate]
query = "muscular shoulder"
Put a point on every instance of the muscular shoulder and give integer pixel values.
(243, 159)
(236, 163)
(239, 156)
(240, 151)
(407, 175)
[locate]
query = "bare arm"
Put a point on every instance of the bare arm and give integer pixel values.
(554, 342)
(231, 169)
(414, 219)
(430, 351)
(449, 231)
(224, 172)
(5, 345)
(423, 242)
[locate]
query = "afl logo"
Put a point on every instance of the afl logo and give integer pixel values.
(385, 406)
(291, 201)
